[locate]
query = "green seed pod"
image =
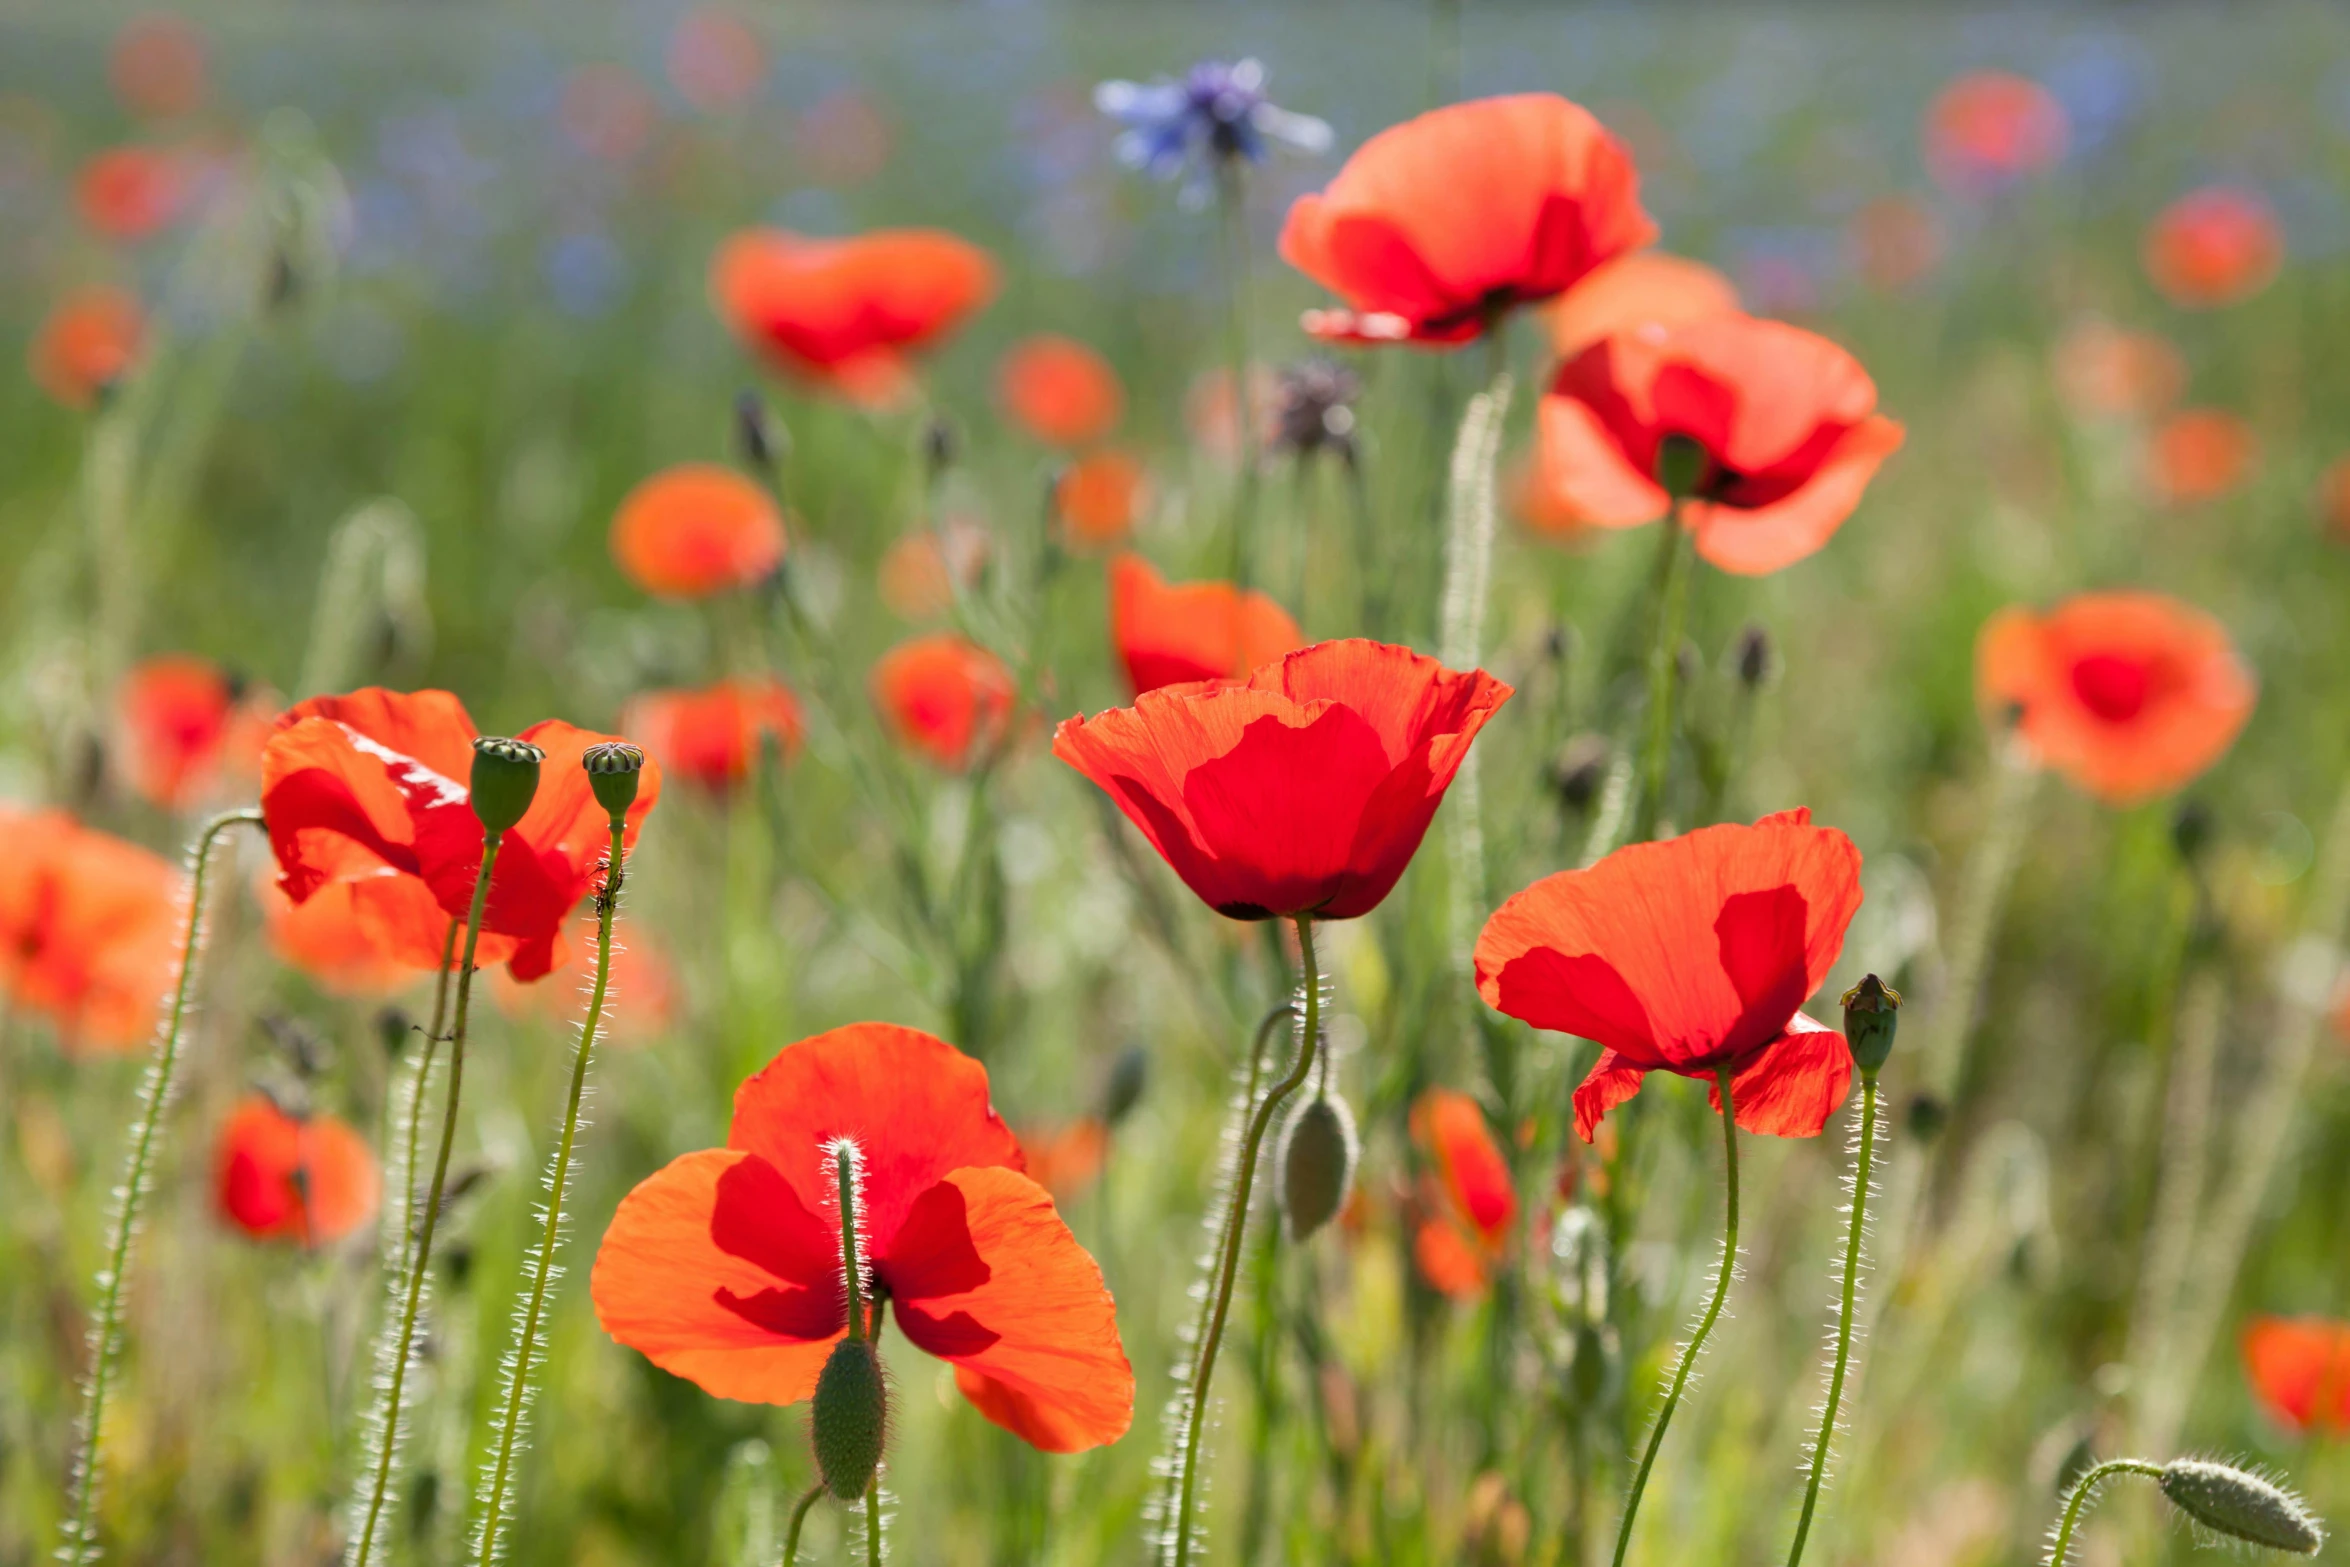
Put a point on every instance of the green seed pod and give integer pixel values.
(2242, 1506)
(851, 1418)
(1872, 1009)
(613, 767)
(1317, 1163)
(505, 780)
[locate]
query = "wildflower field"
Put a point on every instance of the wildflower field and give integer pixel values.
(1026, 783)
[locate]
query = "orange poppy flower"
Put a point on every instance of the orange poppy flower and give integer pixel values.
(920, 572)
(1894, 242)
(1471, 1204)
(2215, 246)
(1786, 419)
(90, 341)
(725, 1267)
(2199, 455)
(336, 936)
(132, 193)
(1059, 390)
(2333, 499)
(697, 529)
(716, 60)
(89, 930)
(945, 697)
(2107, 372)
(309, 1179)
(1301, 791)
(365, 790)
(1098, 498)
(1169, 634)
(714, 736)
(1067, 1160)
(2129, 695)
(157, 66)
(182, 725)
(1990, 127)
(1643, 288)
(845, 313)
(1690, 956)
(1436, 226)
(2299, 1369)
(642, 985)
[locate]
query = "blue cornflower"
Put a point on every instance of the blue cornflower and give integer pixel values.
(1216, 115)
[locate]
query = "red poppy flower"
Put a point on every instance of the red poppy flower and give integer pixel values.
(337, 938)
(714, 736)
(1067, 1160)
(91, 340)
(697, 529)
(2199, 455)
(89, 929)
(2106, 372)
(945, 697)
(1894, 242)
(642, 985)
(132, 193)
(845, 313)
(2215, 246)
(1303, 790)
(1472, 1203)
(1436, 225)
(1991, 127)
(157, 66)
(365, 789)
(2299, 1368)
(725, 1267)
(1787, 421)
(308, 1179)
(1170, 634)
(1059, 390)
(1098, 497)
(182, 724)
(716, 60)
(2129, 695)
(921, 572)
(1689, 956)
(1643, 288)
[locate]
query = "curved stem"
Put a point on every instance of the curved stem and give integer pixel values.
(1852, 1240)
(1705, 1324)
(799, 1519)
(380, 1482)
(432, 1045)
(80, 1542)
(1235, 1225)
(2080, 1497)
(1672, 616)
(542, 1266)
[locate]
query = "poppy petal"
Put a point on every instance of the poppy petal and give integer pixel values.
(1447, 1261)
(1756, 541)
(1611, 1081)
(1583, 470)
(1792, 1085)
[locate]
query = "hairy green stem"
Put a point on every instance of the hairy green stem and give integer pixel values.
(80, 1540)
(1852, 1243)
(852, 1276)
(1674, 569)
(799, 1519)
(2079, 1498)
(873, 1520)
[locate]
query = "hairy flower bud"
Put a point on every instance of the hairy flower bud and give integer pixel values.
(2241, 1505)
(1317, 1163)
(850, 1418)
(613, 767)
(1872, 1011)
(505, 780)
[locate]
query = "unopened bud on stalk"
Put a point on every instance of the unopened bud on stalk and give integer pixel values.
(760, 436)
(505, 781)
(938, 446)
(1124, 1091)
(1872, 1013)
(1756, 657)
(1581, 765)
(2241, 1505)
(392, 1027)
(1680, 466)
(613, 767)
(1317, 1163)
(850, 1418)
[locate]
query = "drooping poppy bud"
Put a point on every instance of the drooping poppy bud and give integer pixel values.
(505, 781)
(851, 1418)
(2242, 1506)
(1317, 1163)
(1872, 1012)
(613, 768)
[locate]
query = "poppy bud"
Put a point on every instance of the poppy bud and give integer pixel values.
(1126, 1083)
(392, 1027)
(1872, 1011)
(1756, 658)
(850, 1418)
(758, 434)
(1580, 767)
(2241, 1505)
(613, 767)
(1927, 1116)
(505, 780)
(1680, 466)
(2190, 830)
(1317, 1163)
(938, 446)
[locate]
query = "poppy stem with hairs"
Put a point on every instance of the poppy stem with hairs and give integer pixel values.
(2081, 1492)
(1674, 568)
(80, 1542)
(1705, 1323)
(1232, 225)
(799, 1520)
(432, 1045)
(1235, 1223)
(873, 1520)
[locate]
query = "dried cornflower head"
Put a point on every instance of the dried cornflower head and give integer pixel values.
(1313, 408)
(2242, 1505)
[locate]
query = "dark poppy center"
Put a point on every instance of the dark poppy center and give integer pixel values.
(2113, 687)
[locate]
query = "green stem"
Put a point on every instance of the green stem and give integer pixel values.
(432, 1045)
(542, 1265)
(1705, 1324)
(873, 1520)
(799, 1519)
(852, 1277)
(1232, 215)
(388, 1439)
(1235, 1224)
(80, 1541)
(1852, 1239)
(2080, 1497)
(1672, 617)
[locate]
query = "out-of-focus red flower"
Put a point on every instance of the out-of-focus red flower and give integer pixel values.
(1168, 634)
(1059, 390)
(716, 61)
(184, 723)
(309, 1179)
(365, 790)
(1301, 791)
(89, 929)
(1539, 507)
(1787, 421)
(1438, 225)
(132, 193)
(2129, 695)
(2214, 246)
(1643, 288)
(1690, 956)
(697, 529)
(2299, 1371)
(843, 139)
(945, 697)
(157, 65)
(641, 995)
(1894, 242)
(2108, 372)
(2333, 499)
(1471, 1202)
(2199, 455)
(607, 112)
(846, 313)
(335, 937)
(1098, 497)
(1068, 1159)
(1212, 414)
(919, 574)
(1989, 128)
(91, 340)
(725, 1267)
(715, 735)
